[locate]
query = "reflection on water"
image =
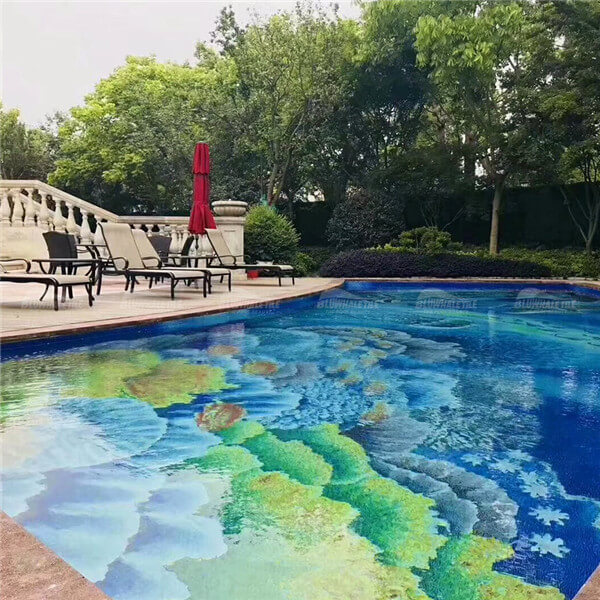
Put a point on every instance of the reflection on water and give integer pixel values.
(378, 442)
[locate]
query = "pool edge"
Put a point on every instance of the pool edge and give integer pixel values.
(9, 337)
(29, 570)
(591, 588)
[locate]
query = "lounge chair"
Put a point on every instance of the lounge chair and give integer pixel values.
(126, 258)
(147, 249)
(24, 259)
(225, 258)
(161, 244)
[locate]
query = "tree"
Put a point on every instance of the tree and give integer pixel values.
(277, 76)
(482, 63)
(572, 105)
(366, 218)
(25, 153)
(130, 147)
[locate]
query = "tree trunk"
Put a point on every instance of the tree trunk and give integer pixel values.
(496, 204)
(271, 185)
(469, 159)
(594, 221)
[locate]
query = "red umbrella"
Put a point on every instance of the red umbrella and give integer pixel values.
(201, 218)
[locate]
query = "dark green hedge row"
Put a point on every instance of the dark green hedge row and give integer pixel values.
(379, 263)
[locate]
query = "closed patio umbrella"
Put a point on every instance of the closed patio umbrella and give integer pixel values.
(201, 218)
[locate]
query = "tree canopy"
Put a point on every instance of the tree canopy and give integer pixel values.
(415, 102)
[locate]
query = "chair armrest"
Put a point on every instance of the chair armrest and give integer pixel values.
(233, 256)
(65, 261)
(25, 262)
(152, 258)
(116, 258)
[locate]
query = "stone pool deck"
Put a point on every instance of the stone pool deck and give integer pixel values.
(24, 317)
(28, 569)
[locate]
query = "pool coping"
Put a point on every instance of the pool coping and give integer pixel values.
(53, 578)
(199, 311)
(29, 570)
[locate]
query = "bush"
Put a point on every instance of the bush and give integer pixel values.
(310, 259)
(364, 219)
(386, 263)
(269, 236)
(429, 240)
(305, 264)
(563, 263)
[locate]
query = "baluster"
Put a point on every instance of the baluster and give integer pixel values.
(18, 212)
(59, 221)
(5, 208)
(43, 218)
(29, 211)
(84, 231)
(72, 226)
(178, 238)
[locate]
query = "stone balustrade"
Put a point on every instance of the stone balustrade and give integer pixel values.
(32, 203)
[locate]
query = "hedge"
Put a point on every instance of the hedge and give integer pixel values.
(379, 263)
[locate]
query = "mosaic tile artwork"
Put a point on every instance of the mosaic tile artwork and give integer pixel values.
(380, 442)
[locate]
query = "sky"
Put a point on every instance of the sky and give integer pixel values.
(53, 53)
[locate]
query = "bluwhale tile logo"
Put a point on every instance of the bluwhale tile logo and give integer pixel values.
(342, 299)
(439, 299)
(536, 299)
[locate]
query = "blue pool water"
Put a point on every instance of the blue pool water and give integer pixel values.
(483, 399)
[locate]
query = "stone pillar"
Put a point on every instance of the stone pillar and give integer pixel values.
(230, 216)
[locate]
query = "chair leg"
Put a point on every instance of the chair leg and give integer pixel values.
(172, 289)
(293, 279)
(89, 289)
(45, 292)
(55, 297)
(204, 285)
(126, 282)
(279, 276)
(229, 282)
(131, 284)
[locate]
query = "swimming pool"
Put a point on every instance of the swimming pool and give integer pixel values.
(377, 441)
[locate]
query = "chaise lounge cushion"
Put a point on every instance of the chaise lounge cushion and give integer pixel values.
(23, 242)
(61, 279)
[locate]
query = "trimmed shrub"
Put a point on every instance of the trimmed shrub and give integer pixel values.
(429, 240)
(563, 263)
(386, 263)
(305, 264)
(270, 236)
(365, 219)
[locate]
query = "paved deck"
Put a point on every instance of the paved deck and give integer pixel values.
(23, 316)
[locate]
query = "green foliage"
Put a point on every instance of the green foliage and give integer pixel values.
(421, 102)
(366, 218)
(429, 240)
(395, 262)
(310, 258)
(305, 264)
(488, 64)
(24, 153)
(562, 263)
(269, 236)
(130, 146)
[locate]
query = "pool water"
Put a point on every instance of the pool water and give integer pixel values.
(380, 441)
